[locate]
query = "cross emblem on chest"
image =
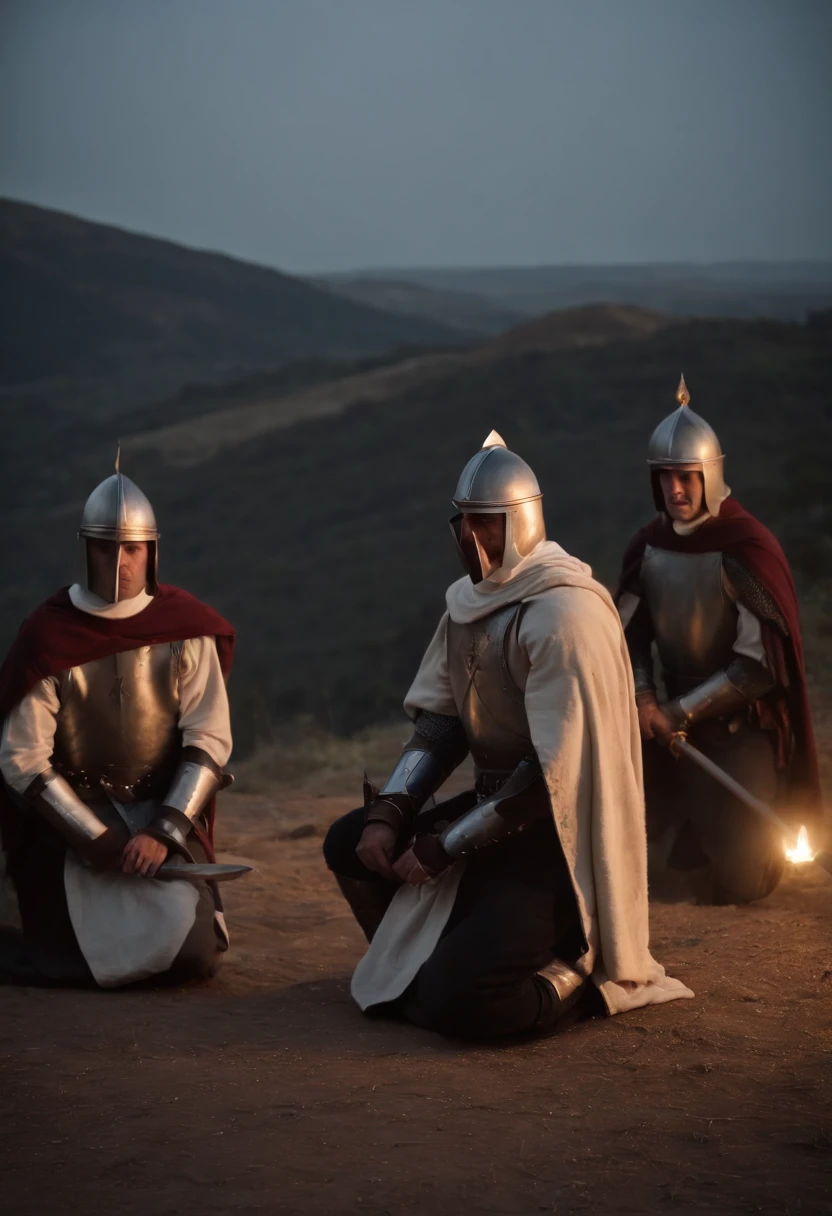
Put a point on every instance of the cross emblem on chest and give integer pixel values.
(476, 649)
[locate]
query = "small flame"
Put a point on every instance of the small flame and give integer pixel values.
(682, 394)
(802, 850)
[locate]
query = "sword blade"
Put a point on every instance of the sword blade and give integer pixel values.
(680, 747)
(200, 871)
(120, 811)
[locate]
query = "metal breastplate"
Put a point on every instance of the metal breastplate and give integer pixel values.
(488, 679)
(694, 621)
(118, 725)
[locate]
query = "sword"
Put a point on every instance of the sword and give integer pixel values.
(679, 746)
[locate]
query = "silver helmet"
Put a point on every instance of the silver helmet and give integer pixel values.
(118, 511)
(686, 441)
(497, 481)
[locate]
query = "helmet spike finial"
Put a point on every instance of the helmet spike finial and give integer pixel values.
(494, 440)
(118, 455)
(682, 394)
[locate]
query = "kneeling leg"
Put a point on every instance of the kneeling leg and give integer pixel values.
(494, 972)
(199, 954)
(745, 852)
(368, 894)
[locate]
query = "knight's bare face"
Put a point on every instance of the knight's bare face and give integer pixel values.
(489, 529)
(131, 557)
(683, 492)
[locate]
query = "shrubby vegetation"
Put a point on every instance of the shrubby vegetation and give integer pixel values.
(327, 543)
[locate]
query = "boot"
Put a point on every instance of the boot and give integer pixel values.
(560, 990)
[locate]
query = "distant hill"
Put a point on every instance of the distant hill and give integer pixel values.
(589, 325)
(231, 418)
(202, 420)
(782, 291)
(87, 303)
(462, 310)
(323, 535)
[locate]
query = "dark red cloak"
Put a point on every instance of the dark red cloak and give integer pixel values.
(736, 532)
(58, 636)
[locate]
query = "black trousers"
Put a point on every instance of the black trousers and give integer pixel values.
(515, 911)
(703, 842)
(48, 952)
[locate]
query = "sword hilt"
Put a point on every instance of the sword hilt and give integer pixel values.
(676, 740)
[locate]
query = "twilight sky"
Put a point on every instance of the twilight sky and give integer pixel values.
(340, 134)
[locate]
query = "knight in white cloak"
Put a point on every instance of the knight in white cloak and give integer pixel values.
(496, 912)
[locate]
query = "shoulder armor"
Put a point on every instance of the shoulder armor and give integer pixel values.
(752, 594)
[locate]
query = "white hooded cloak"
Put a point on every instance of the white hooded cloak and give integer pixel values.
(580, 704)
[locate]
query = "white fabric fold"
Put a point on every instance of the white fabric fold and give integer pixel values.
(128, 927)
(547, 566)
(682, 528)
(87, 601)
(405, 938)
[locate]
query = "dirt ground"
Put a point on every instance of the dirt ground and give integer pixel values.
(268, 1091)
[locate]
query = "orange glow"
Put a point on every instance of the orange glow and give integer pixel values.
(802, 851)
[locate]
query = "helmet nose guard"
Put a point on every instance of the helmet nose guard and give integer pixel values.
(118, 511)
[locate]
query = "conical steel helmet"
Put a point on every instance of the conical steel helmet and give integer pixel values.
(118, 511)
(683, 440)
(497, 481)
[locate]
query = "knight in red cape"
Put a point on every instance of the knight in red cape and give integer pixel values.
(707, 590)
(115, 731)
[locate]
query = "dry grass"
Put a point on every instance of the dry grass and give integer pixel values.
(303, 755)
